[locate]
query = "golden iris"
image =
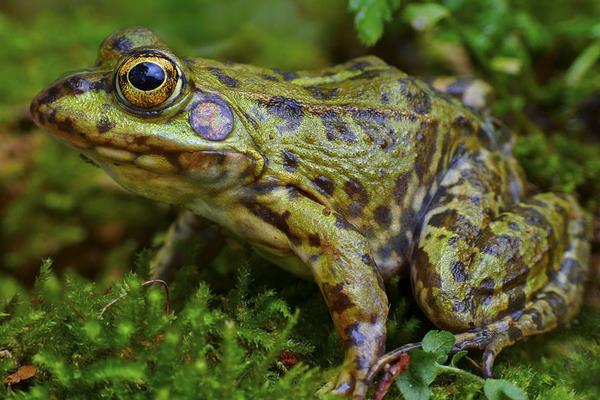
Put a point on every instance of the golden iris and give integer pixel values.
(148, 81)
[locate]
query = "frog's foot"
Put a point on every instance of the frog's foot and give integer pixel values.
(473, 93)
(349, 383)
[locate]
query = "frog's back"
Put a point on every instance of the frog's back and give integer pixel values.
(362, 137)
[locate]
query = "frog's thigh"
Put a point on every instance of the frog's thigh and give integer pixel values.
(502, 275)
(187, 226)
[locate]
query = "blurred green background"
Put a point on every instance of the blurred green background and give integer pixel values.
(543, 60)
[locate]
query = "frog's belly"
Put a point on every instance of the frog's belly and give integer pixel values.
(287, 261)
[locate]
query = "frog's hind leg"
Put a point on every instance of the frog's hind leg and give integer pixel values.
(554, 305)
(495, 276)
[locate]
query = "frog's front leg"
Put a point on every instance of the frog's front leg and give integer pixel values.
(340, 259)
(187, 226)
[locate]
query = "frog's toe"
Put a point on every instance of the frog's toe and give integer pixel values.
(346, 384)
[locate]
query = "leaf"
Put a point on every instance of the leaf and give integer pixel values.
(507, 65)
(582, 64)
(438, 342)
(500, 389)
(422, 370)
(423, 16)
(370, 17)
(23, 373)
(457, 357)
(412, 389)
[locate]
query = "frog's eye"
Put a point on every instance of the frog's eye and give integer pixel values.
(148, 81)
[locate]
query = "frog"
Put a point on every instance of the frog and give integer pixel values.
(349, 176)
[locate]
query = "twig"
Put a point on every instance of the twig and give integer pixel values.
(390, 375)
(150, 282)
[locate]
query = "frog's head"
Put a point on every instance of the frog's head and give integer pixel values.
(140, 116)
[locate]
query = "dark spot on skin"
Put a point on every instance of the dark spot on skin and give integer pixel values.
(383, 216)
(104, 125)
(426, 149)
(265, 187)
(314, 240)
(458, 271)
(458, 87)
(514, 333)
(362, 363)
(313, 259)
(67, 125)
(452, 242)
(375, 124)
(337, 298)
(359, 196)
(385, 251)
(353, 336)
(371, 74)
(287, 76)
(368, 260)
(516, 300)
(77, 85)
(223, 78)
(465, 125)
(409, 219)
(50, 95)
(536, 317)
(324, 185)
(500, 246)
(273, 218)
(289, 110)
(401, 187)
(269, 77)
(336, 128)
(417, 97)
(122, 44)
(557, 303)
(385, 98)
(321, 93)
(536, 218)
(487, 286)
(290, 160)
(359, 65)
(452, 220)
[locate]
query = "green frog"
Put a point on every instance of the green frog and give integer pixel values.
(348, 176)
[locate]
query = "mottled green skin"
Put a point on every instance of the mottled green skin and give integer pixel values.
(347, 175)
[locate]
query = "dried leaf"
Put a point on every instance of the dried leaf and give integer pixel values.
(23, 373)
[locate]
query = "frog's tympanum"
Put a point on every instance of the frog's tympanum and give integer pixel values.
(347, 175)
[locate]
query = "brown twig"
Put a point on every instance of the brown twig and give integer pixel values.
(390, 374)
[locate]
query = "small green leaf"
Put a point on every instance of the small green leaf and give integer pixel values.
(582, 64)
(412, 389)
(370, 17)
(438, 342)
(500, 389)
(423, 16)
(457, 357)
(507, 65)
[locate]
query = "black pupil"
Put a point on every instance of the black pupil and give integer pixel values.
(146, 76)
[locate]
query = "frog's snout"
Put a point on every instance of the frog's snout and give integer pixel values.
(56, 107)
